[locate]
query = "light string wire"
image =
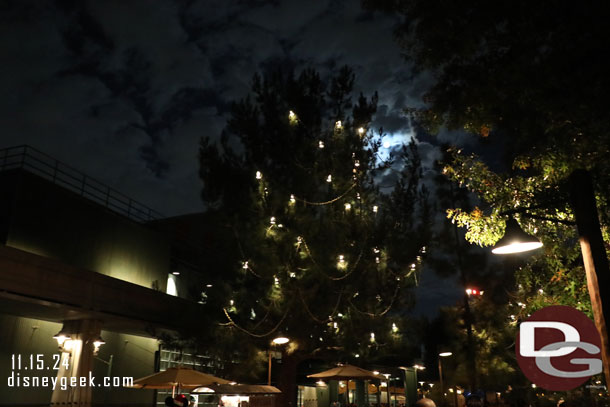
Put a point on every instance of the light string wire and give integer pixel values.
(234, 324)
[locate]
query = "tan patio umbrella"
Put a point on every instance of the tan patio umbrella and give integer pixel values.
(346, 372)
(177, 377)
(230, 389)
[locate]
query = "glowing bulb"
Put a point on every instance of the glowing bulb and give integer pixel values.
(341, 258)
(357, 163)
(329, 178)
(272, 220)
(338, 124)
(245, 265)
(413, 266)
(377, 260)
(394, 327)
(348, 206)
(292, 199)
(468, 291)
(321, 144)
(259, 175)
(375, 208)
(361, 131)
(277, 281)
(372, 336)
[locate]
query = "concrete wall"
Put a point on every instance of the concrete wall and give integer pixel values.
(45, 219)
(133, 356)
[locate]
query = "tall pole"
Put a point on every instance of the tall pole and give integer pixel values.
(440, 376)
(594, 256)
(470, 347)
(269, 369)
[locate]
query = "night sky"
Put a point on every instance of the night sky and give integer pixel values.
(124, 90)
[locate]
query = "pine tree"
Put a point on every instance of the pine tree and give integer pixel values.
(313, 250)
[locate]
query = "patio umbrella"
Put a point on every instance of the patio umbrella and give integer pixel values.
(177, 377)
(346, 372)
(235, 389)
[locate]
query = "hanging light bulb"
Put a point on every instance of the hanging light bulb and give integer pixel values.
(320, 144)
(341, 258)
(348, 206)
(338, 124)
(372, 336)
(375, 208)
(272, 220)
(245, 265)
(329, 178)
(361, 130)
(292, 117)
(357, 163)
(292, 199)
(394, 327)
(377, 260)
(276, 281)
(259, 175)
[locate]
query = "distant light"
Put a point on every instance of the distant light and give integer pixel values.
(176, 273)
(338, 124)
(361, 130)
(320, 383)
(375, 208)
(348, 206)
(376, 372)
(321, 144)
(209, 285)
(259, 175)
(329, 178)
(468, 291)
(281, 340)
(445, 354)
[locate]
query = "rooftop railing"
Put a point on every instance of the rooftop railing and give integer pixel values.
(36, 162)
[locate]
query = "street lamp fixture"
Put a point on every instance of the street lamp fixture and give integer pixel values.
(515, 240)
(280, 340)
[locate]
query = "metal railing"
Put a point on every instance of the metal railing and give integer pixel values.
(38, 163)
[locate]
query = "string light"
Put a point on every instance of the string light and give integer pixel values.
(358, 195)
(259, 175)
(292, 117)
(321, 144)
(413, 266)
(357, 163)
(361, 131)
(245, 265)
(377, 260)
(292, 199)
(338, 124)
(348, 206)
(329, 178)
(394, 327)
(372, 336)
(375, 208)
(272, 220)
(276, 281)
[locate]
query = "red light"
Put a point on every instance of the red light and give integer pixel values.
(475, 292)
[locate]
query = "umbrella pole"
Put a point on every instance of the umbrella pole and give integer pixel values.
(347, 393)
(174, 391)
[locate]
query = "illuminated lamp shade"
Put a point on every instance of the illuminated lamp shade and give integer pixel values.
(61, 337)
(515, 240)
(281, 340)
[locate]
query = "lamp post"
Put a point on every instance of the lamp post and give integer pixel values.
(593, 253)
(440, 371)
(281, 340)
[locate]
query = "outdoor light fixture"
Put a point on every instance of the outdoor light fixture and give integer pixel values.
(280, 340)
(61, 337)
(98, 342)
(445, 354)
(419, 367)
(515, 240)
